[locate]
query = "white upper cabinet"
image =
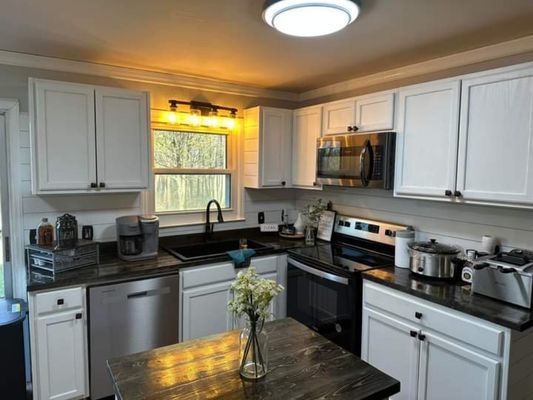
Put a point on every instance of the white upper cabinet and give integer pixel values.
(63, 148)
(496, 137)
(267, 147)
(339, 116)
(373, 112)
(307, 124)
(426, 144)
(121, 138)
(88, 139)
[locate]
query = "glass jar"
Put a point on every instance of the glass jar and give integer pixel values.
(310, 235)
(253, 350)
(45, 233)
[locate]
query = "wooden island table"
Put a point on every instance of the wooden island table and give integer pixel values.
(302, 365)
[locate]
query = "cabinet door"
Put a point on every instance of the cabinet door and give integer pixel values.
(390, 346)
(496, 138)
(374, 112)
(123, 136)
(426, 147)
(338, 117)
(307, 125)
(205, 311)
(275, 146)
(64, 155)
(450, 371)
(60, 342)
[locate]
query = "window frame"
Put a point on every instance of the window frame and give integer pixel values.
(171, 219)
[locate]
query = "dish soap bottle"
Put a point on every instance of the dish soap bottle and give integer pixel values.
(45, 233)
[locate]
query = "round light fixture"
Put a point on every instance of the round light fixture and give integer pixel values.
(307, 18)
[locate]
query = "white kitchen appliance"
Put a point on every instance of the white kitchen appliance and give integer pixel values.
(507, 276)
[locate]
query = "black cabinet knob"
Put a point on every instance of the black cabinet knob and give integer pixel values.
(283, 183)
(421, 337)
(457, 193)
(413, 333)
(315, 184)
(60, 302)
(102, 184)
(418, 315)
(78, 315)
(448, 193)
(93, 184)
(350, 128)
(355, 128)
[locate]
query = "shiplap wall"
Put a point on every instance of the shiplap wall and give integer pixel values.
(458, 224)
(100, 210)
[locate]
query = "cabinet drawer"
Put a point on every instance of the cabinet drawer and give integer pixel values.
(265, 265)
(58, 300)
(209, 274)
(435, 317)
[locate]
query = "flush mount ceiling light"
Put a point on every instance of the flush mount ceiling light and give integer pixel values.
(307, 18)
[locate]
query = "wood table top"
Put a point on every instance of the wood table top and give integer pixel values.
(302, 365)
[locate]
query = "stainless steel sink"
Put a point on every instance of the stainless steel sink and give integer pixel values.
(208, 250)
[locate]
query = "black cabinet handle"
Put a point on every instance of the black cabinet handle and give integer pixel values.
(421, 337)
(413, 333)
(355, 128)
(457, 193)
(448, 193)
(93, 184)
(418, 315)
(78, 315)
(350, 128)
(102, 184)
(60, 302)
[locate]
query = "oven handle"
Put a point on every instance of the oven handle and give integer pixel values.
(319, 273)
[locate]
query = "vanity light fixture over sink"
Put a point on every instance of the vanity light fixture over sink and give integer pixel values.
(201, 114)
(308, 18)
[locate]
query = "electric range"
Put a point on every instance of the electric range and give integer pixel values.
(324, 283)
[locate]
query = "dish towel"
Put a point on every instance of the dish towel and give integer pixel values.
(241, 258)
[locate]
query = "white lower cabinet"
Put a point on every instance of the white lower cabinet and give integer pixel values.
(205, 292)
(437, 353)
(58, 327)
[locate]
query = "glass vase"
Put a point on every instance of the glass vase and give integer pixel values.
(253, 350)
(310, 235)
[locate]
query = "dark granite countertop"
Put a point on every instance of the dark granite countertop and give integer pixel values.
(302, 365)
(112, 269)
(455, 295)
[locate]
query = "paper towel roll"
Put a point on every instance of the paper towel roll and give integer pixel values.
(488, 244)
(401, 250)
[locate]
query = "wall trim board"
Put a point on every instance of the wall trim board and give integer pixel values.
(487, 53)
(482, 54)
(10, 108)
(140, 75)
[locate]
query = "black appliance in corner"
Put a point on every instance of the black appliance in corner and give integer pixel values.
(324, 282)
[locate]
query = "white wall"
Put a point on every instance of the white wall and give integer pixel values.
(101, 210)
(458, 224)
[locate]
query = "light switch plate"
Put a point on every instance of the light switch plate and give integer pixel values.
(269, 227)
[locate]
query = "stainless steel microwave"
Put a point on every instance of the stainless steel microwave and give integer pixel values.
(357, 160)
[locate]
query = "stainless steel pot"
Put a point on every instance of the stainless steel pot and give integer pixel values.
(433, 259)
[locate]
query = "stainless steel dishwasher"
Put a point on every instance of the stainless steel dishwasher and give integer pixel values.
(127, 318)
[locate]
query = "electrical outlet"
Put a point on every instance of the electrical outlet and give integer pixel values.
(260, 217)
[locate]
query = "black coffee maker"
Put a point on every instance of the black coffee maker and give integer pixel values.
(137, 237)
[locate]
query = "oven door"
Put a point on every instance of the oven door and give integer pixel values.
(358, 160)
(324, 302)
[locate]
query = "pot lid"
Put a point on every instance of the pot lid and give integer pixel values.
(432, 246)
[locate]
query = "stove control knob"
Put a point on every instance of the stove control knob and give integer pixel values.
(338, 328)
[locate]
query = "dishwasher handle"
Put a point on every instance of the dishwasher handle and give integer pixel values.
(138, 294)
(146, 293)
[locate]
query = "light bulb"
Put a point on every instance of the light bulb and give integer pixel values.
(172, 117)
(194, 118)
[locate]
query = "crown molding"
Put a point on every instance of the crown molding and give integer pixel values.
(465, 58)
(139, 75)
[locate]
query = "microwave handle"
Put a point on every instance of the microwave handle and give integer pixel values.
(364, 174)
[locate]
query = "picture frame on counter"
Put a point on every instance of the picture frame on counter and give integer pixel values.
(326, 224)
